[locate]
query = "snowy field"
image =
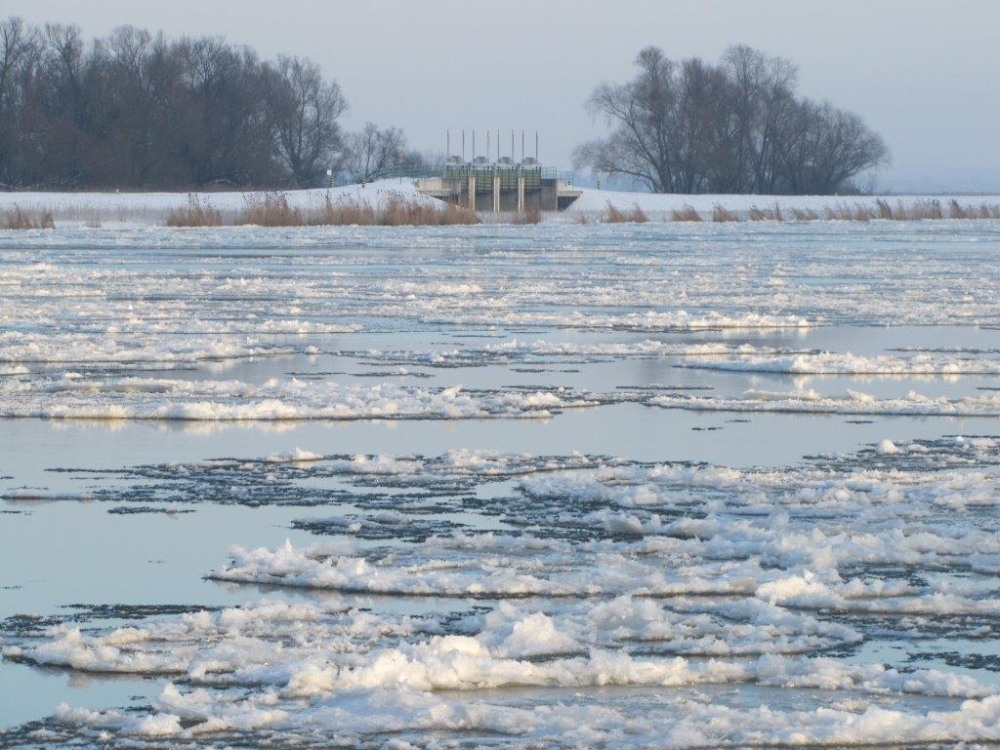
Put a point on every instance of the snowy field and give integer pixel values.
(687, 485)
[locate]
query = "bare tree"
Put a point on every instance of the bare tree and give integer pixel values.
(644, 110)
(228, 136)
(372, 152)
(304, 110)
(736, 127)
(763, 101)
(20, 49)
(829, 148)
(137, 110)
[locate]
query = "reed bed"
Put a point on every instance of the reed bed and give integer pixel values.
(274, 210)
(197, 213)
(19, 218)
(882, 209)
(616, 216)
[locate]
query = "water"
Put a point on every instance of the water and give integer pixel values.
(584, 485)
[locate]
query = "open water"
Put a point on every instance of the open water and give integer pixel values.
(661, 485)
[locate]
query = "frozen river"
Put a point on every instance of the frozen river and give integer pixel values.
(660, 485)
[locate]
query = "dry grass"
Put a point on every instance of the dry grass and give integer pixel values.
(529, 216)
(722, 214)
(685, 213)
(766, 214)
(197, 213)
(614, 215)
(800, 214)
(617, 216)
(956, 211)
(394, 212)
(930, 209)
(270, 210)
(18, 218)
(862, 213)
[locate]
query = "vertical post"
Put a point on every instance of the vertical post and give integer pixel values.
(472, 190)
(522, 147)
(520, 192)
(496, 192)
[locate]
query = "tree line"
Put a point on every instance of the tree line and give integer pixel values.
(136, 110)
(139, 111)
(733, 127)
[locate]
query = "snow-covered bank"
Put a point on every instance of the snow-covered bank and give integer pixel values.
(153, 208)
(593, 204)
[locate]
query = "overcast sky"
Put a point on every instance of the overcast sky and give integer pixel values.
(922, 73)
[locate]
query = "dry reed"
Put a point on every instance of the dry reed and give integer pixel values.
(18, 218)
(722, 214)
(394, 212)
(685, 213)
(197, 213)
(617, 216)
(530, 216)
(614, 215)
(270, 210)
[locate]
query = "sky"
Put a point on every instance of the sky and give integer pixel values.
(923, 74)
